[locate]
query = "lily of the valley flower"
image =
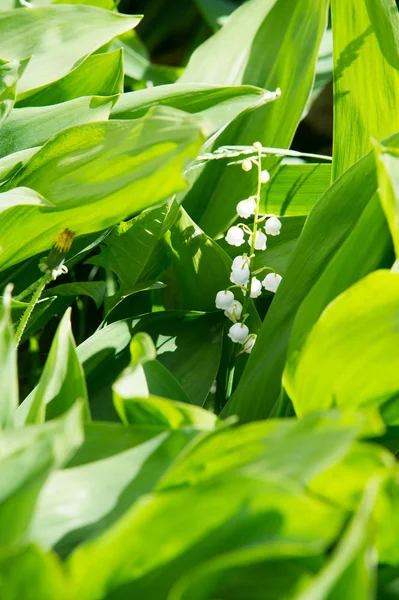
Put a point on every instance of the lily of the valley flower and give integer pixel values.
(234, 311)
(256, 288)
(224, 299)
(271, 282)
(246, 164)
(240, 275)
(246, 208)
(260, 241)
(273, 226)
(264, 176)
(249, 343)
(238, 333)
(235, 236)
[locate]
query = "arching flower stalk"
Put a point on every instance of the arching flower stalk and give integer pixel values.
(242, 274)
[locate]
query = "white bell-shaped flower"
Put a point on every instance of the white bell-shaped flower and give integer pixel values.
(224, 299)
(249, 343)
(246, 208)
(271, 282)
(238, 333)
(260, 241)
(240, 276)
(235, 236)
(246, 164)
(256, 287)
(234, 311)
(264, 176)
(240, 261)
(273, 226)
(257, 145)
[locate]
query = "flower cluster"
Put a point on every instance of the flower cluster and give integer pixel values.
(242, 274)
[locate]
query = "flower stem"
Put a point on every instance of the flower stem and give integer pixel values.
(41, 284)
(255, 229)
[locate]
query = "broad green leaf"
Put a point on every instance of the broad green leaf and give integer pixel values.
(29, 573)
(93, 289)
(129, 250)
(231, 56)
(62, 381)
(349, 359)
(366, 77)
(162, 383)
(82, 501)
(11, 164)
(27, 457)
(10, 71)
(388, 187)
(295, 189)
(208, 520)
(56, 38)
(21, 196)
(344, 238)
(97, 75)
(8, 365)
(118, 168)
(351, 571)
(217, 105)
(317, 441)
(31, 127)
(324, 66)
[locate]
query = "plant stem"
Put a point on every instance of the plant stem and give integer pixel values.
(255, 229)
(41, 284)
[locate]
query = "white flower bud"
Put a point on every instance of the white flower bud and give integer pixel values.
(246, 164)
(235, 236)
(257, 145)
(246, 208)
(271, 282)
(264, 176)
(273, 226)
(238, 333)
(234, 312)
(224, 299)
(250, 343)
(260, 241)
(256, 288)
(240, 276)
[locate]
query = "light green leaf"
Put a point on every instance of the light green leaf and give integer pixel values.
(366, 77)
(30, 127)
(349, 359)
(8, 365)
(62, 381)
(93, 289)
(28, 573)
(118, 168)
(295, 189)
(351, 571)
(21, 196)
(82, 501)
(56, 37)
(208, 519)
(231, 56)
(97, 75)
(10, 71)
(388, 189)
(11, 164)
(217, 105)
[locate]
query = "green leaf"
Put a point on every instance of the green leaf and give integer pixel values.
(30, 127)
(62, 381)
(366, 77)
(231, 56)
(82, 501)
(295, 189)
(344, 238)
(208, 520)
(118, 168)
(97, 75)
(10, 71)
(8, 365)
(11, 164)
(388, 188)
(351, 571)
(129, 250)
(349, 358)
(217, 105)
(93, 289)
(76, 32)
(215, 12)
(28, 456)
